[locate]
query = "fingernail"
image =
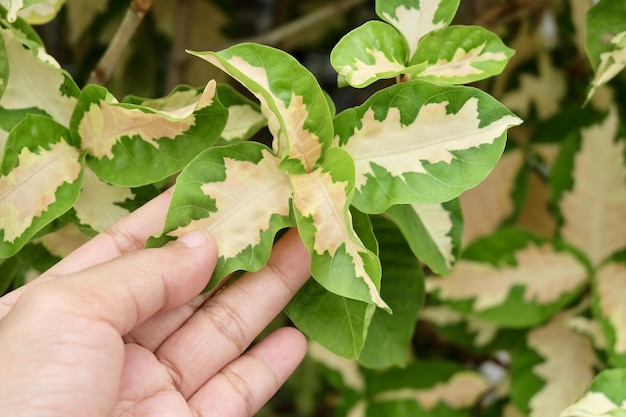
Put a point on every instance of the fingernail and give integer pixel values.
(194, 239)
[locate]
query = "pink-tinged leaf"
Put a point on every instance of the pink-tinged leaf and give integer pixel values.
(39, 180)
(593, 210)
(421, 143)
(97, 206)
(291, 99)
(237, 194)
(340, 262)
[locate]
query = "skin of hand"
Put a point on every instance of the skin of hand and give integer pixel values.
(117, 330)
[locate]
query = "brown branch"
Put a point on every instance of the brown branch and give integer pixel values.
(277, 36)
(134, 15)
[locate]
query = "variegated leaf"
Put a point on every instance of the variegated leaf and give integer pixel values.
(479, 333)
(40, 179)
(593, 209)
(610, 281)
(522, 281)
(98, 204)
(291, 99)
(425, 388)
(338, 323)
(605, 397)
(433, 232)
(63, 241)
(131, 145)
(415, 18)
(31, 82)
(339, 260)
(606, 41)
(417, 142)
(460, 55)
(369, 53)
(35, 12)
(565, 367)
(238, 194)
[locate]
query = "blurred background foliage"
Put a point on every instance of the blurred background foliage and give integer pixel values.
(545, 83)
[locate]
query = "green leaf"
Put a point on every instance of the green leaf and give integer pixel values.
(389, 336)
(131, 145)
(605, 397)
(337, 323)
(33, 11)
(369, 53)
(460, 55)
(605, 41)
(40, 179)
(433, 231)
(238, 194)
(512, 278)
(298, 114)
(403, 155)
(339, 260)
(415, 18)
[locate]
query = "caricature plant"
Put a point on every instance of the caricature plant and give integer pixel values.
(373, 192)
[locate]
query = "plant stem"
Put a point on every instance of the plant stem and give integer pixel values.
(277, 36)
(178, 57)
(134, 15)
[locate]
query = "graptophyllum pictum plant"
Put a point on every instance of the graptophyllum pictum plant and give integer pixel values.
(405, 154)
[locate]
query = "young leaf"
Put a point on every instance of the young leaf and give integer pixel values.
(339, 324)
(389, 336)
(339, 260)
(369, 53)
(460, 55)
(417, 142)
(293, 102)
(35, 12)
(606, 397)
(606, 41)
(131, 145)
(40, 179)
(565, 369)
(593, 209)
(238, 194)
(433, 231)
(414, 19)
(512, 278)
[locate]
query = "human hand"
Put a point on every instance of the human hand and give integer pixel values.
(115, 330)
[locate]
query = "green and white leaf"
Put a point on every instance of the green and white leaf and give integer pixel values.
(433, 231)
(606, 41)
(237, 194)
(31, 82)
(40, 179)
(339, 260)
(371, 52)
(609, 282)
(415, 18)
(460, 55)
(417, 142)
(291, 99)
(35, 12)
(131, 145)
(565, 365)
(606, 397)
(512, 278)
(339, 324)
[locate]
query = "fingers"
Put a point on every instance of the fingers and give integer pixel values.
(244, 385)
(127, 290)
(229, 321)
